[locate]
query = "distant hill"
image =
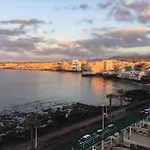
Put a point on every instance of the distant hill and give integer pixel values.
(125, 56)
(132, 56)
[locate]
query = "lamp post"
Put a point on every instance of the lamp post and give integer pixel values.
(106, 106)
(103, 125)
(149, 107)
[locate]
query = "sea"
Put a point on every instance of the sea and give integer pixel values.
(26, 88)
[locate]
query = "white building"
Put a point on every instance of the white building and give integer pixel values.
(76, 65)
(131, 73)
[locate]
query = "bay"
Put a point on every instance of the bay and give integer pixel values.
(25, 88)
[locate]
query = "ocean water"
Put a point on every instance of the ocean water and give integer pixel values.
(20, 88)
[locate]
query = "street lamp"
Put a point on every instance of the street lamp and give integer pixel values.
(106, 106)
(103, 124)
(149, 100)
(149, 107)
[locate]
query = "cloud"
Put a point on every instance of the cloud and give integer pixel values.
(103, 29)
(67, 42)
(63, 8)
(84, 6)
(97, 45)
(137, 5)
(116, 4)
(80, 7)
(122, 14)
(130, 10)
(135, 32)
(144, 17)
(66, 48)
(49, 32)
(87, 29)
(89, 21)
(22, 21)
(104, 41)
(50, 22)
(56, 8)
(41, 46)
(11, 32)
(74, 7)
(104, 5)
(125, 38)
(17, 45)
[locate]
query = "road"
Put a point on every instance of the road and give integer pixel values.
(62, 137)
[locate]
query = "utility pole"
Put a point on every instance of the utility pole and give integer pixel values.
(103, 126)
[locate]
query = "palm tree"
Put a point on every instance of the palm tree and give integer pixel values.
(121, 92)
(110, 96)
(36, 125)
(32, 123)
(29, 125)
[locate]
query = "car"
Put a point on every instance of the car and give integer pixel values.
(110, 126)
(148, 109)
(115, 136)
(108, 140)
(97, 134)
(142, 111)
(85, 139)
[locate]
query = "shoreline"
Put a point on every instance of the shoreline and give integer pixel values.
(87, 76)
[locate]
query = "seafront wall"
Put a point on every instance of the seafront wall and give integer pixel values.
(96, 66)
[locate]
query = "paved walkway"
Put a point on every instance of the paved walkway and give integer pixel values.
(138, 140)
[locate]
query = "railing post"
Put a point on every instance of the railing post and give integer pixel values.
(130, 131)
(93, 147)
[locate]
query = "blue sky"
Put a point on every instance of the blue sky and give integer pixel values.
(67, 28)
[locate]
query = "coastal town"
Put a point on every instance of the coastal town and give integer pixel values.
(135, 70)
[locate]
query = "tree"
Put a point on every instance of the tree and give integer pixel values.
(29, 125)
(110, 96)
(32, 123)
(36, 125)
(121, 96)
(132, 147)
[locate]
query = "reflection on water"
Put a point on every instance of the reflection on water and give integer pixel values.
(97, 88)
(108, 86)
(20, 87)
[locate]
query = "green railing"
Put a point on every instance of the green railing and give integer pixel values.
(107, 132)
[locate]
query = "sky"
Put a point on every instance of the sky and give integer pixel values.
(49, 30)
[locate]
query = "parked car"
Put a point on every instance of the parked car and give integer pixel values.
(97, 134)
(115, 137)
(86, 139)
